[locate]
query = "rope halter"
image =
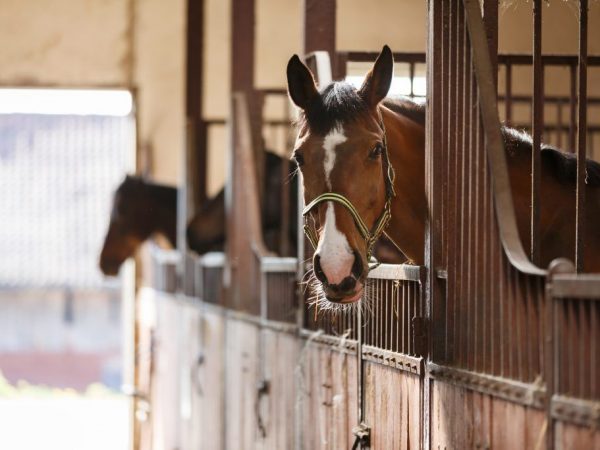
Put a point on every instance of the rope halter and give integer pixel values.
(370, 236)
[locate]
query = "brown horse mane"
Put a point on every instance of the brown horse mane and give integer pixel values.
(561, 164)
(407, 107)
(167, 195)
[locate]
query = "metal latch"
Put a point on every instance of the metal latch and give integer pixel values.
(419, 334)
(262, 388)
(363, 436)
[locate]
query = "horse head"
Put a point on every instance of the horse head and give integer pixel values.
(341, 152)
(134, 217)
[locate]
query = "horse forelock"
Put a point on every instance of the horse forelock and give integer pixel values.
(336, 105)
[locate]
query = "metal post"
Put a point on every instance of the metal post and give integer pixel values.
(538, 123)
(581, 134)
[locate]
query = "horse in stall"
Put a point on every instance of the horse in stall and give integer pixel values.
(140, 209)
(206, 231)
(362, 158)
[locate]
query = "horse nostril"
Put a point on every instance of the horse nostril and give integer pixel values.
(348, 284)
(318, 270)
(357, 267)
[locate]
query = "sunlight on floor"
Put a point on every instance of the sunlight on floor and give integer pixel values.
(35, 418)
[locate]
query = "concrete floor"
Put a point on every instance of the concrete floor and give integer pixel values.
(64, 421)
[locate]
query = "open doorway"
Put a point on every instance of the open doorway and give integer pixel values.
(62, 358)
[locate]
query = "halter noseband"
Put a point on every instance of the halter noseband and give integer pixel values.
(370, 236)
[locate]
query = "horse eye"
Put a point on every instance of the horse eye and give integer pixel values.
(376, 152)
(298, 158)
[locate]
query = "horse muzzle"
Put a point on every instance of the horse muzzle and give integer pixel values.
(349, 288)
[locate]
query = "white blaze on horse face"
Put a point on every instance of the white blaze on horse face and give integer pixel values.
(334, 138)
(335, 252)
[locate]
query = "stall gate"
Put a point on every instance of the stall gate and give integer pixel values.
(480, 348)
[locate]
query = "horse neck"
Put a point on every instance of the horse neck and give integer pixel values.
(164, 205)
(406, 149)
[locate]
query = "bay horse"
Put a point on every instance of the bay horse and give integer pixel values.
(362, 159)
(139, 210)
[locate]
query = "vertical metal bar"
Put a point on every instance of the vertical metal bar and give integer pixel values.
(584, 344)
(594, 353)
(194, 99)
(537, 125)
(435, 301)
(411, 76)
(549, 362)
(559, 123)
(451, 149)
(508, 95)
(320, 28)
(581, 134)
(573, 108)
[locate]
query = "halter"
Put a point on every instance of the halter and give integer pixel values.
(370, 236)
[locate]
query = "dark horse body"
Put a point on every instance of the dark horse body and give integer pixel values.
(206, 231)
(342, 132)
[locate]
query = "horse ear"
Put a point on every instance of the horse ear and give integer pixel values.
(301, 84)
(378, 80)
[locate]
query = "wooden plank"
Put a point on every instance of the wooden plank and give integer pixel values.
(327, 397)
(281, 356)
(241, 379)
(443, 415)
(575, 437)
(165, 395)
(535, 428)
(211, 381)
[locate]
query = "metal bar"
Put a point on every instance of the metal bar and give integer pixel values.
(411, 76)
(319, 28)
(434, 298)
(197, 176)
(538, 119)
(508, 98)
(547, 60)
(581, 134)
(559, 123)
(573, 108)
(548, 99)
(242, 47)
(494, 142)
(528, 394)
(399, 57)
(397, 272)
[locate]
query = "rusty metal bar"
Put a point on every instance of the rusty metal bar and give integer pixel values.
(320, 28)
(435, 301)
(197, 176)
(538, 119)
(508, 98)
(494, 142)
(581, 134)
(559, 123)
(547, 60)
(573, 108)
(399, 57)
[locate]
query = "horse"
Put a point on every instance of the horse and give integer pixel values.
(206, 231)
(362, 158)
(139, 210)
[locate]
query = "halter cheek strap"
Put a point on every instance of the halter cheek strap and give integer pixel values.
(370, 236)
